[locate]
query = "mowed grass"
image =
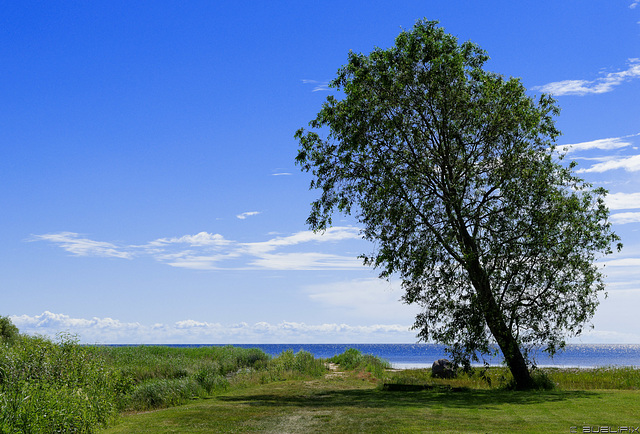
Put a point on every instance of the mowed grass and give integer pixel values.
(354, 402)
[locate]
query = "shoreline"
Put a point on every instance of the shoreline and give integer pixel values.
(406, 366)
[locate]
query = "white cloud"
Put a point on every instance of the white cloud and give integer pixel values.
(617, 201)
(318, 85)
(622, 218)
(624, 262)
(200, 239)
(606, 144)
(73, 243)
(305, 261)
(244, 215)
(108, 330)
(198, 262)
(630, 164)
(634, 4)
(206, 251)
(332, 234)
(603, 84)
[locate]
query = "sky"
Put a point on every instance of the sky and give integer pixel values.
(148, 190)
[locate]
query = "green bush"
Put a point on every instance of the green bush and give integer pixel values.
(55, 387)
(348, 360)
(353, 359)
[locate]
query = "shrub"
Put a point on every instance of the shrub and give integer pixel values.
(348, 360)
(55, 387)
(353, 359)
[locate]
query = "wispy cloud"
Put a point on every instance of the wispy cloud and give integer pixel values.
(317, 85)
(200, 239)
(280, 172)
(630, 164)
(113, 331)
(604, 144)
(244, 215)
(603, 84)
(206, 251)
(634, 4)
(622, 218)
(305, 261)
(618, 201)
(75, 244)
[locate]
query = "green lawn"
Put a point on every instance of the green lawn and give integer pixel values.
(353, 404)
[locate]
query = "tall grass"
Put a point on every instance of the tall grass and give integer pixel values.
(286, 366)
(613, 378)
(619, 378)
(48, 387)
(163, 376)
(353, 359)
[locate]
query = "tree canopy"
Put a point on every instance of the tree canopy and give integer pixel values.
(452, 172)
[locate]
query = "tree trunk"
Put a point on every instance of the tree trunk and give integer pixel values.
(495, 321)
(492, 313)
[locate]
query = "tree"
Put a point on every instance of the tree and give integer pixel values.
(9, 333)
(453, 173)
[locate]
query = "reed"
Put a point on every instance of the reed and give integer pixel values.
(48, 386)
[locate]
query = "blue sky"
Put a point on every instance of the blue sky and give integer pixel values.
(148, 186)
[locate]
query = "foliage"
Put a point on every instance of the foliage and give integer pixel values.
(9, 333)
(452, 172)
(58, 386)
(353, 359)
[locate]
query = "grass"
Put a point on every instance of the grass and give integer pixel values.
(353, 403)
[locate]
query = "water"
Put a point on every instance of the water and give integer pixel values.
(404, 356)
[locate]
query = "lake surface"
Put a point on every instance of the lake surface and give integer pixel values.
(423, 355)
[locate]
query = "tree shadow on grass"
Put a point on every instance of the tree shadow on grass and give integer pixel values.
(384, 399)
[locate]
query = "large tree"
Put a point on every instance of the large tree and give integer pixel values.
(453, 173)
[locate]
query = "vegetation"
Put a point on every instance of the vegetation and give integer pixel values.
(354, 360)
(453, 174)
(355, 403)
(61, 386)
(8, 332)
